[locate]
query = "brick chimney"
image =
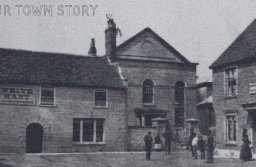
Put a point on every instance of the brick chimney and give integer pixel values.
(92, 51)
(110, 38)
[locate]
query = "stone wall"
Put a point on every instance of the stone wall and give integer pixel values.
(164, 76)
(136, 137)
(57, 121)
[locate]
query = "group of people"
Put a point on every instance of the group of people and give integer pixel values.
(197, 142)
(158, 143)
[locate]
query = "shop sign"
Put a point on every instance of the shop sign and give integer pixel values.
(17, 95)
(252, 89)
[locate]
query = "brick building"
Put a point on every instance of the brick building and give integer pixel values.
(53, 102)
(234, 95)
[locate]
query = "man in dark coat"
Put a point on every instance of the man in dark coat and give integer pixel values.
(168, 141)
(210, 146)
(148, 145)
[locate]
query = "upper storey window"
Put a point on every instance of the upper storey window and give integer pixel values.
(231, 82)
(148, 92)
(100, 98)
(47, 96)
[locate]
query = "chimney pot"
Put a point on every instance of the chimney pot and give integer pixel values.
(92, 50)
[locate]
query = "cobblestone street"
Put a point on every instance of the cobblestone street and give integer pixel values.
(176, 159)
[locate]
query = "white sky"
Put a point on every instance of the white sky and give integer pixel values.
(200, 30)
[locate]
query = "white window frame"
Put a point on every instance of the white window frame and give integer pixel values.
(94, 132)
(225, 81)
(153, 92)
(105, 90)
(226, 128)
(54, 95)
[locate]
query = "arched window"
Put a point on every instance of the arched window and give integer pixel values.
(148, 91)
(179, 104)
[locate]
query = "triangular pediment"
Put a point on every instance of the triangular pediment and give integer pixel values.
(148, 45)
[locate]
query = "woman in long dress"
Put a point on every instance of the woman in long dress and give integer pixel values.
(245, 153)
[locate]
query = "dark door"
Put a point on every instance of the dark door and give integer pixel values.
(34, 138)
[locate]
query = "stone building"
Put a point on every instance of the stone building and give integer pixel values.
(53, 102)
(160, 83)
(60, 103)
(234, 91)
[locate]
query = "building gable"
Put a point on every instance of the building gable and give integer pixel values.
(242, 49)
(147, 45)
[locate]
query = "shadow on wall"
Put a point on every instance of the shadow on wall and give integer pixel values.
(3, 163)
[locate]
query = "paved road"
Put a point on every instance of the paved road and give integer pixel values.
(180, 158)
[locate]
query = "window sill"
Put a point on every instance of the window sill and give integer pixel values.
(100, 107)
(142, 127)
(48, 106)
(230, 97)
(90, 143)
(149, 104)
(179, 127)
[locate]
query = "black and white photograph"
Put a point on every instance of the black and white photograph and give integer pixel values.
(118, 83)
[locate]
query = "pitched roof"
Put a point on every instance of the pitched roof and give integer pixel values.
(27, 67)
(160, 39)
(242, 49)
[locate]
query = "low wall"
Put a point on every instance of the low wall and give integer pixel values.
(136, 137)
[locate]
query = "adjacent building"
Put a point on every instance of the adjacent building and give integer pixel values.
(234, 91)
(205, 111)
(60, 103)
(52, 102)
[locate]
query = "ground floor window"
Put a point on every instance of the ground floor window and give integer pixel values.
(88, 130)
(147, 120)
(231, 128)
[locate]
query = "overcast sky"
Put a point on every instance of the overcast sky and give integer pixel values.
(200, 30)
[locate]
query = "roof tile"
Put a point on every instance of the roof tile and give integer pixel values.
(27, 67)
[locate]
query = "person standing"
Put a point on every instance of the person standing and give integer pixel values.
(201, 146)
(148, 145)
(168, 141)
(177, 139)
(246, 152)
(158, 143)
(191, 136)
(194, 145)
(210, 147)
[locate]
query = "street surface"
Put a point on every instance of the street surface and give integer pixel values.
(181, 158)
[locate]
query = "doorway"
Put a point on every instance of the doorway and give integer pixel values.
(252, 114)
(34, 138)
